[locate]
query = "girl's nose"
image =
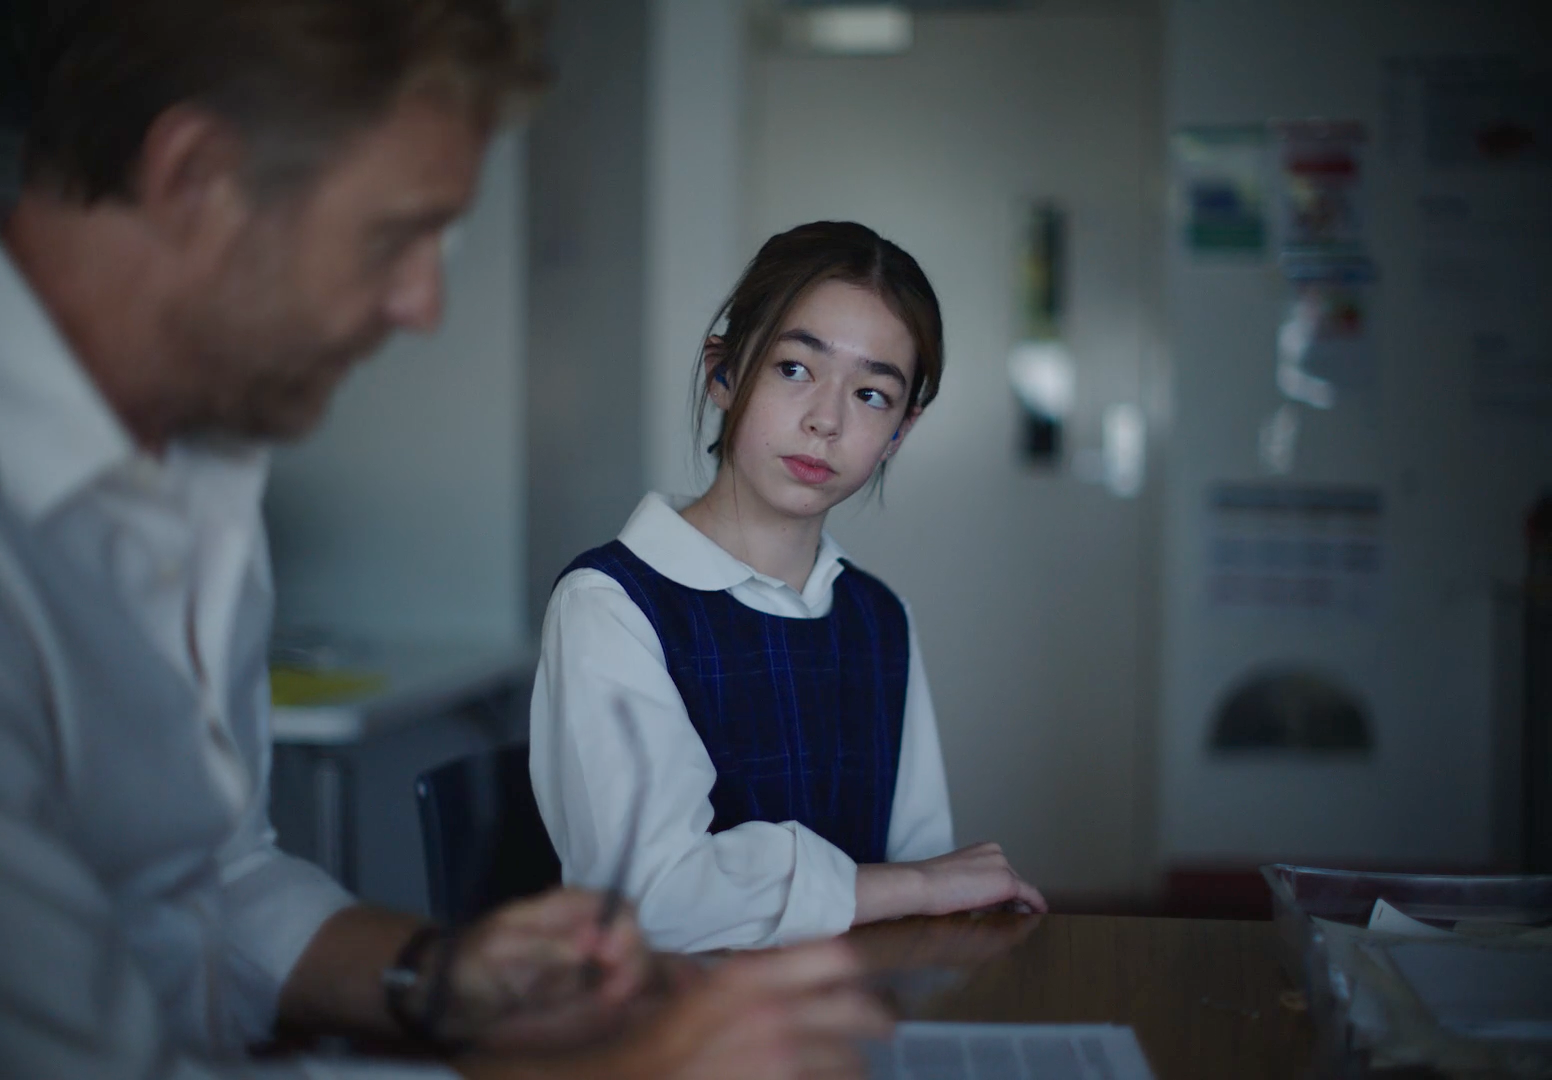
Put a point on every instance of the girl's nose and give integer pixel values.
(823, 420)
(826, 409)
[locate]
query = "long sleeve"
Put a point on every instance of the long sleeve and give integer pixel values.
(272, 905)
(757, 884)
(921, 825)
(73, 1000)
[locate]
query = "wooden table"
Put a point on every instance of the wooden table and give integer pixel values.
(1206, 997)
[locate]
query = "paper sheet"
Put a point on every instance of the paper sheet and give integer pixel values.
(1480, 991)
(1390, 920)
(937, 1051)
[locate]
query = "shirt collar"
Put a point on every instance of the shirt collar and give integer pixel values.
(57, 434)
(659, 537)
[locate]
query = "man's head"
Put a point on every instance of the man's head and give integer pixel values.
(273, 178)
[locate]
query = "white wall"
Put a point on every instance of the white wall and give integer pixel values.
(404, 516)
(695, 204)
(1031, 589)
(587, 334)
(1456, 484)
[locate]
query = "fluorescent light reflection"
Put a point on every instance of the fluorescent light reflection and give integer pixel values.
(862, 30)
(1125, 441)
(1044, 377)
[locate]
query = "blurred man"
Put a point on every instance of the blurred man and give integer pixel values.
(226, 206)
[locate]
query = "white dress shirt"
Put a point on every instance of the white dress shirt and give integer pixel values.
(759, 883)
(147, 920)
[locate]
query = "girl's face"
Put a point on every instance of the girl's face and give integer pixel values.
(829, 404)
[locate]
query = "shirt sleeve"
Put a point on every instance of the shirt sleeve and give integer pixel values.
(755, 885)
(921, 826)
(272, 906)
(73, 1001)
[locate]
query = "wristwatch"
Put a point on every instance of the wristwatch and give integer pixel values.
(405, 977)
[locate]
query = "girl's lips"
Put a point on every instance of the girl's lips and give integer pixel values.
(807, 470)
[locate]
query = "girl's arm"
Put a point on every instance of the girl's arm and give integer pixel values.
(920, 823)
(754, 885)
(924, 875)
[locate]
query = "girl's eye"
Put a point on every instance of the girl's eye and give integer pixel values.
(875, 399)
(792, 370)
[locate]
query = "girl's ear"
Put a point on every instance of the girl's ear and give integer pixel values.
(714, 358)
(901, 432)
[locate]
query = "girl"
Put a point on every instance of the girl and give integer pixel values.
(787, 744)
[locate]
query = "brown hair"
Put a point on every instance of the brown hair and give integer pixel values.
(786, 267)
(293, 76)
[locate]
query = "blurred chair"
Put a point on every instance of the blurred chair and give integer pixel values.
(485, 841)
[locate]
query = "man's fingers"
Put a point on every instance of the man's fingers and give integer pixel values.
(829, 1059)
(798, 970)
(557, 910)
(622, 942)
(842, 1014)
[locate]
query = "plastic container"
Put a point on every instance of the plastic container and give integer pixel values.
(1302, 893)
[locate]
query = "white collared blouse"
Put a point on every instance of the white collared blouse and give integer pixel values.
(754, 885)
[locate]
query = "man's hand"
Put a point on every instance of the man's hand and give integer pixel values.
(973, 877)
(536, 972)
(541, 972)
(793, 1014)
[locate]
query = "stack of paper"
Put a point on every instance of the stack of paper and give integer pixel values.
(1475, 996)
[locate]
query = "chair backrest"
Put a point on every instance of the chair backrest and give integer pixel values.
(485, 841)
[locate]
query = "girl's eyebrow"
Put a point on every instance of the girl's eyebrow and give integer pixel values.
(803, 337)
(884, 369)
(881, 368)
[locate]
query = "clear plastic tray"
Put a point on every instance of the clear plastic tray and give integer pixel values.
(1302, 893)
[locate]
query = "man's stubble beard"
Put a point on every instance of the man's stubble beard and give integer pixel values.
(268, 374)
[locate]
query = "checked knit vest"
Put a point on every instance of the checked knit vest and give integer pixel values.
(801, 717)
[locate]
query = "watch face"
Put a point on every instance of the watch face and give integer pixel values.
(398, 978)
(405, 975)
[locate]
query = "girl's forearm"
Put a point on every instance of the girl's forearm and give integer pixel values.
(973, 877)
(888, 891)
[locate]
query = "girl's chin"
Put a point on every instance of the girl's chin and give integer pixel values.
(803, 501)
(790, 498)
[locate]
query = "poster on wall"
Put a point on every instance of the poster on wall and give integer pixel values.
(1325, 344)
(1287, 549)
(1484, 269)
(1474, 132)
(1219, 175)
(1484, 112)
(1319, 202)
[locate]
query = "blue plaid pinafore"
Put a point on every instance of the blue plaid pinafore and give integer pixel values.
(801, 717)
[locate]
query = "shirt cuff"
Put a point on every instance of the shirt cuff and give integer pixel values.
(822, 901)
(275, 909)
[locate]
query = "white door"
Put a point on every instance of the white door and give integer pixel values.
(1031, 587)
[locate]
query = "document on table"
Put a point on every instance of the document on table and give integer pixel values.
(1478, 990)
(937, 1051)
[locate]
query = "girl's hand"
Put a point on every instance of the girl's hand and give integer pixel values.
(973, 877)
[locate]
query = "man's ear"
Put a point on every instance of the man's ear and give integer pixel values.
(911, 416)
(714, 359)
(189, 181)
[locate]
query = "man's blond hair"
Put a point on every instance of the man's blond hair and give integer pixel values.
(292, 76)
